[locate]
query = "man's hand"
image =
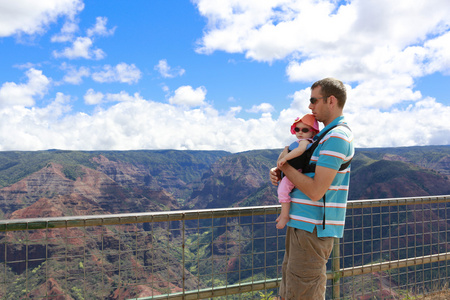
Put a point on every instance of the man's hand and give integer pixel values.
(275, 176)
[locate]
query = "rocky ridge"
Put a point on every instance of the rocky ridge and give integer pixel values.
(127, 182)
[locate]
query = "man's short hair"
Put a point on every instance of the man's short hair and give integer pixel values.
(332, 87)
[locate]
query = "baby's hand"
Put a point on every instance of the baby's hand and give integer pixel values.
(281, 162)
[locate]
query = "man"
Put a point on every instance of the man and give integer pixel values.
(318, 206)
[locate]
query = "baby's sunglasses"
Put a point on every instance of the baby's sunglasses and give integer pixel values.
(304, 129)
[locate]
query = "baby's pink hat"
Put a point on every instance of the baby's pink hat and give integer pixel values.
(307, 119)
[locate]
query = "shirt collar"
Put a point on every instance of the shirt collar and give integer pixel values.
(336, 121)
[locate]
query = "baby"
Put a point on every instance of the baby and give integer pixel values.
(304, 129)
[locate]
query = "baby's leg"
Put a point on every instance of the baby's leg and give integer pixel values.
(283, 218)
(284, 189)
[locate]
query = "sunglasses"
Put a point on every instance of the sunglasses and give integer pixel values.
(314, 100)
(304, 130)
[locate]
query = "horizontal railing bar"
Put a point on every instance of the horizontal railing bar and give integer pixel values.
(133, 218)
(149, 217)
(221, 291)
(397, 201)
(389, 265)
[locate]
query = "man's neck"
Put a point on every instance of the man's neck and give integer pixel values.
(332, 118)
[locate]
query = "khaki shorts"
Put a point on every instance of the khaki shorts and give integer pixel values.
(304, 265)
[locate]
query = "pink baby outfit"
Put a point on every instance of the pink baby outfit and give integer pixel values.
(285, 187)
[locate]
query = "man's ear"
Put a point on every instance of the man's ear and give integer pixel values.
(333, 100)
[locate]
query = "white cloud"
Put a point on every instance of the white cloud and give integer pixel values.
(437, 58)
(100, 29)
(27, 65)
(234, 110)
(93, 98)
(186, 95)
(123, 97)
(165, 88)
(57, 108)
(33, 128)
(74, 75)
(136, 123)
(376, 127)
(266, 31)
(22, 94)
(261, 108)
(122, 72)
(81, 48)
(33, 17)
(68, 30)
(376, 94)
(421, 123)
(166, 71)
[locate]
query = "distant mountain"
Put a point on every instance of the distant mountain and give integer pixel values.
(70, 183)
(138, 181)
(117, 182)
(400, 172)
(429, 157)
(237, 180)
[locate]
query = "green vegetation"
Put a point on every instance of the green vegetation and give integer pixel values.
(220, 253)
(186, 165)
(73, 172)
(16, 165)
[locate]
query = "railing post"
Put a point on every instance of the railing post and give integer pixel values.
(335, 269)
(183, 246)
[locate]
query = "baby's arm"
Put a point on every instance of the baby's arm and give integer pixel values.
(294, 152)
(284, 152)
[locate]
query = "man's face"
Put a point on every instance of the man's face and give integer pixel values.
(320, 107)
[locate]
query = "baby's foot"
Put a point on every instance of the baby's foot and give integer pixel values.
(281, 222)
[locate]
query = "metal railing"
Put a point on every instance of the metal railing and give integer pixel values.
(391, 249)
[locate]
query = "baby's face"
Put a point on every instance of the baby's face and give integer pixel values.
(303, 131)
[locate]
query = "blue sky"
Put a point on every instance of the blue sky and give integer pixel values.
(218, 74)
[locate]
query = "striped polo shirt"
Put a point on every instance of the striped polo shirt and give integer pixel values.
(333, 150)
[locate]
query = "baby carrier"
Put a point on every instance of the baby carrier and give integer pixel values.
(303, 161)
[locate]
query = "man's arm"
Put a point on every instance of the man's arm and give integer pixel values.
(314, 187)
